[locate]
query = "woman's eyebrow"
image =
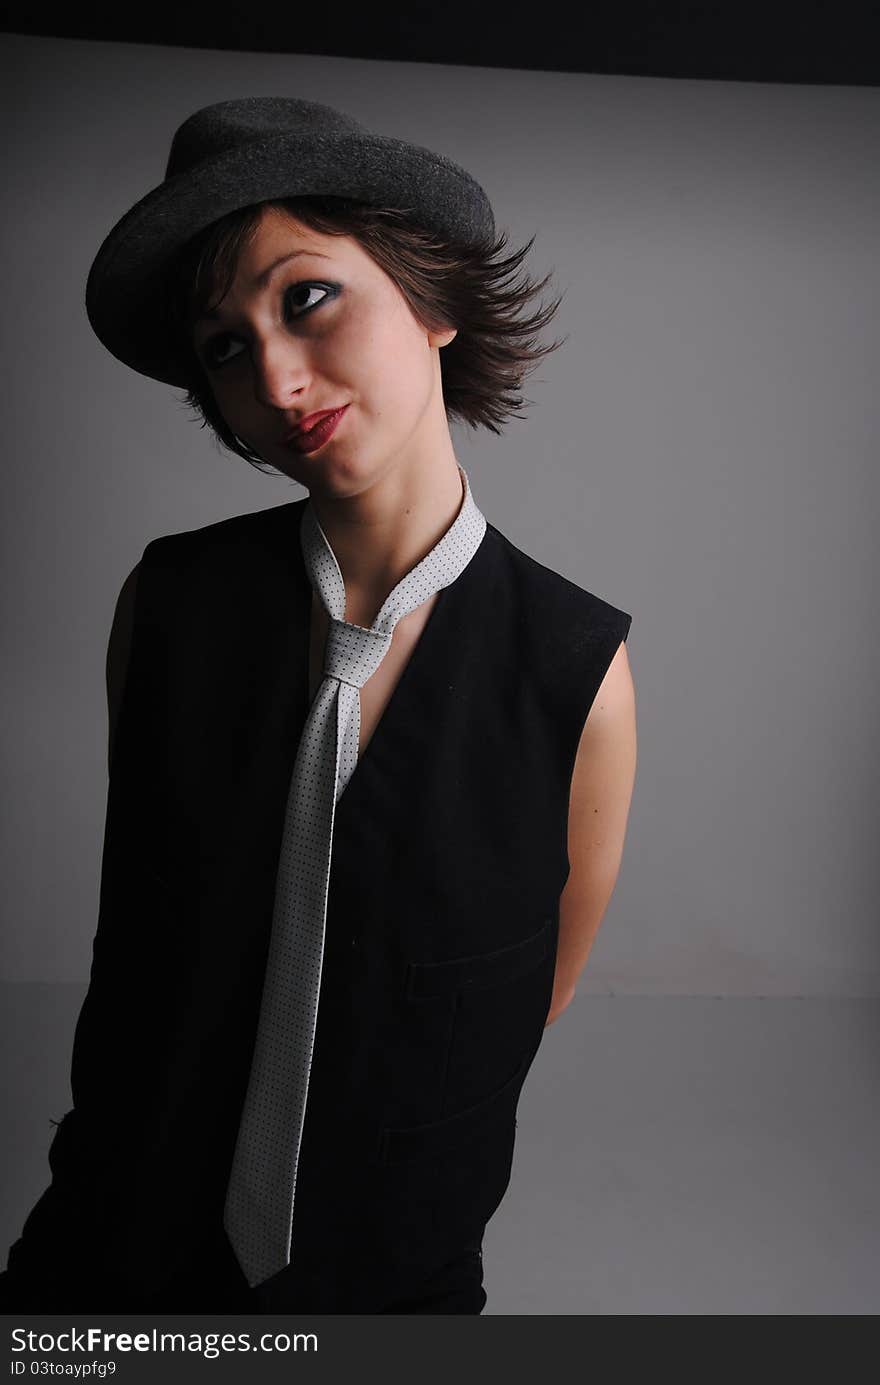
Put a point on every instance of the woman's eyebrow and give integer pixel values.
(261, 280)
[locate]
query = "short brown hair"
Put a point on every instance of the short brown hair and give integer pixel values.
(445, 283)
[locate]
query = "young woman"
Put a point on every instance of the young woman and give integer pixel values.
(371, 764)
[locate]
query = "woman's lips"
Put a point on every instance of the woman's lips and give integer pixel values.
(315, 437)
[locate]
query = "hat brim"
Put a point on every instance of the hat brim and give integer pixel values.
(123, 289)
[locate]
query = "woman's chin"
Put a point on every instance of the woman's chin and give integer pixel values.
(333, 477)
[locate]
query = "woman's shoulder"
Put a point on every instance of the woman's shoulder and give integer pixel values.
(220, 535)
(550, 590)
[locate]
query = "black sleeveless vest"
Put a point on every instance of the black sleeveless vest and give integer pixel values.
(449, 857)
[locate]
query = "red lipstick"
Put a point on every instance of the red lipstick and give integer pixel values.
(314, 430)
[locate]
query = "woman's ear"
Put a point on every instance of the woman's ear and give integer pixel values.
(442, 338)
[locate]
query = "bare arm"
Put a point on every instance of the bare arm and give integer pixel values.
(601, 792)
(118, 650)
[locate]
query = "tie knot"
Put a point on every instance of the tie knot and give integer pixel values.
(353, 653)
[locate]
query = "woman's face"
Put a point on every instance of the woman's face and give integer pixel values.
(325, 329)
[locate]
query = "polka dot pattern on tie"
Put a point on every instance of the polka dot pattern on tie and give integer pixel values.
(258, 1214)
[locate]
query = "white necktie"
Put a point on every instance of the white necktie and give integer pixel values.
(258, 1214)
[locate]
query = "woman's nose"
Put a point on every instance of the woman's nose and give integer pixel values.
(281, 370)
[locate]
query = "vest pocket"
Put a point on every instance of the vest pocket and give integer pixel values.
(481, 970)
(399, 1143)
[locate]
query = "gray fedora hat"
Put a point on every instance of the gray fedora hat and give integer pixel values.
(234, 153)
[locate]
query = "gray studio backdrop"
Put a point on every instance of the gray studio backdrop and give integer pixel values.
(698, 1131)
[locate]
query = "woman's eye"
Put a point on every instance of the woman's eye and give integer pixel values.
(298, 290)
(296, 305)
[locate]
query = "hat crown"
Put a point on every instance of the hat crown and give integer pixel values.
(228, 124)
